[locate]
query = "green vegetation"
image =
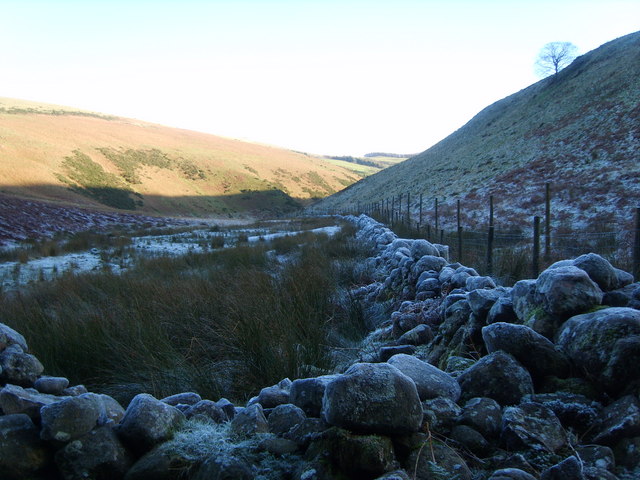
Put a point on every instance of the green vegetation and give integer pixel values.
(223, 323)
(89, 178)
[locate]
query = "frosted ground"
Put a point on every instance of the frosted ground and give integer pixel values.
(15, 274)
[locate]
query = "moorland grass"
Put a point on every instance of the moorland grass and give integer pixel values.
(222, 323)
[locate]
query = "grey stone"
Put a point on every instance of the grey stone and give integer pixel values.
(498, 376)
(484, 415)
(227, 407)
(185, 398)
(163, 462)
(15, 399)
(391, 350)
(285, 417)
(502, 311)
(574, 410)
(373, 398)
(597, 456)
(470, 439)
(206, 409)
(440, 414)
(531, 425)
(270, 397)
(395, 475)
(479, 282)
(511, 474)
(523, 299)
(599, 270)
(482, 299)
(148, 422)
(70, 418)
(75, 390)
(535, 352)
(8, 336)
(420, 248)
(605, 345)
(627, 453)
(430, 381)
(420, 335)
(224, 467)
(448, 464)
(568, 469)
(566, 291)
(619, 420)
(277, 446)
(18, 367)
(306, 431)
(307, 393)
(22, 453)
(51, 385)
(96, 455)
(249, 421)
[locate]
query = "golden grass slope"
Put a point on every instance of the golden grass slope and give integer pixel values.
(203, 175)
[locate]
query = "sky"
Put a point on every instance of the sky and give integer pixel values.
(337, 77)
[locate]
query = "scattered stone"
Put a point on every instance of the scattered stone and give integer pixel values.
(502, 311)
(22, 454)
(18, 367)
(148, 422)
(569, 469)
(8, 337)
(186, 398)
(484, 415)
(307, 393)
(448, 464)
(51, 385)
(599, 270)
(430, 381)
(440, 414)
(531, 425)
(566, 291)
(15, 399)
(373, 398)
(470, 439)
(270, 397)
(70, 418)
(249, 421)
(420, 335)
(498, 376)
(206, 409)
(75, 390)
(285, 417)
(511, 474)
(619, 420)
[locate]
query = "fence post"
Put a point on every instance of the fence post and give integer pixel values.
(547, 222)
(459, 235)
(535, 264)
(428, 232)
(490, 238)
(636, 248)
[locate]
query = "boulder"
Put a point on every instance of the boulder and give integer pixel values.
(599, 270)
(285, 417)
(15, 399)
(249, 421)
(532, 426)
(523, 299)
(373, 398)
(18, 367)
(420, 248)
(479, 282)
(498, 376)
(535, 352)
(391, 350)
(185, 398)
(8, 336)
(430, 381)
(23, 454)
(605, 346)
(420, 335)
(440, 414)
(224, 467)
(448, 464)
(619, 420)
(482, 299)
(307, 393)
(568, 469)
(574, 411)
(148, 422)
(97, 454)
(206, 409)
(51, 385)
(471, 439)
(484, 415)
(511, 474)
(566, 291)
(270, 397)
(502, 311)
(70, 418)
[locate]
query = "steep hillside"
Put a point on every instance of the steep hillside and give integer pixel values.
(579, 130)
(82, 158)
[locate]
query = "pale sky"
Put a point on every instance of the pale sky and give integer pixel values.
(339, 77)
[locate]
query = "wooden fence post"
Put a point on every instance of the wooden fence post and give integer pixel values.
(636, 248)
(490, 238)
(547, 222)
(535, 264)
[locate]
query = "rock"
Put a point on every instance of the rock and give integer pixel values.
(224, 467)
(273, 396)
(599, 270)
(440, 414)
(475, 283)
(75, 390)
(627, 453)
(277, 446)
(387, 352)
(459, 279)
(566, 291)
(186, 398)
(622, 297)
(307, 393)
(8, 336)
(624, 278)
(14, 399)
(456, 365)
(502, 311)
(448, 464)
(163, 462)
(498, 376)
(148, 422)
(470, 439)
(249, 421)
(569, 469)
(285, 417)
(420, 248)
(420, 335)
(373, 398)
(605, 345)
(532, 426)
(356, 456)
(306, 431)
(619, 420)
(96, 455)
(573, 410)
(535, 352)
(22, 454)
(18, 367)
(430, 381)
(70, 418)
(396, 475)
(511, 474)
(523, 299)
(597, 456)
(484, 415)
(481, 300)
(51, 385)
(206, 409)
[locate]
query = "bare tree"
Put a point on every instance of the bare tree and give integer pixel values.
(554, 56)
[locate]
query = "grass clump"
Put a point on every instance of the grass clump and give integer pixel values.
(222, 323)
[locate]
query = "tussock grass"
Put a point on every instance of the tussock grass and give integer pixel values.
(222, 323)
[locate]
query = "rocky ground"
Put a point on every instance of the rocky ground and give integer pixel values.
(463, 380)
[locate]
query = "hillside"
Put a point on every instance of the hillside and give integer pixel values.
(79, 158)
(579, 130)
